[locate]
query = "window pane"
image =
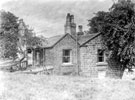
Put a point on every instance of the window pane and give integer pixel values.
(100, 52)
(29, 50)
(66, 56)
(66, 52)
(100, 59)
(66, 59)
(100, 55)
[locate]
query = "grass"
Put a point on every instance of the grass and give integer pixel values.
(19, 86)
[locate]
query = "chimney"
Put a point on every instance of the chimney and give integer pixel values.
(72, 18)
(68, 18)
(70, 26)
(80, 28)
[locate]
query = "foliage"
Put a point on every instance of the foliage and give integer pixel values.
(34, 41)
(117, 28)
(8, 34)
(15, 36)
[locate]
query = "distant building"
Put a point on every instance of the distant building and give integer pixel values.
(71, 52)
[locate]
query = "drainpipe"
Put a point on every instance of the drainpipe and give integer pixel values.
(77, 53)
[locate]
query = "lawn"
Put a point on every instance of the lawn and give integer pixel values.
(18, 86)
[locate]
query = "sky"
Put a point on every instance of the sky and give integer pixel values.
(47, 17)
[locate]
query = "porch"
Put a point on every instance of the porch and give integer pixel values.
(36, 56)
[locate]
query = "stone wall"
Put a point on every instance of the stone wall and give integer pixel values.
(54, 56)
(49, 57)
(88, 56)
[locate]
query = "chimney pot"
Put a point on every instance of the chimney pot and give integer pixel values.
(70, 26)
(80, 28)
(68, 18)
(72, 18)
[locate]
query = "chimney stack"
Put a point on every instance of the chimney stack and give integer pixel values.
(80, 28)
(68, 18)
(72, 18)
(70, 26)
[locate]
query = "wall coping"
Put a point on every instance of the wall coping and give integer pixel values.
(67, 64)
(101, 64)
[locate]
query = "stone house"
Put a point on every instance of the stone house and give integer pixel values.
(71, 52)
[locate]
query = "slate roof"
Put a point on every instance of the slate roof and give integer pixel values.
(85, 38)
(50, 42)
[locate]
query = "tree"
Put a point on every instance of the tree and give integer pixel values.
(15, 36)
(34, 41)
(26, 39)
(8, 34)
(117, 28)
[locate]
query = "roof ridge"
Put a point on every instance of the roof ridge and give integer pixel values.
(55, 36)
(94, 36)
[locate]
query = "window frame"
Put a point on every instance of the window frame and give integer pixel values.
(63, 56)
(29, 51)
(99, 56)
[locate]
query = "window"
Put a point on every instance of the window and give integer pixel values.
(66, 56)
(29, 50)
(100, 55)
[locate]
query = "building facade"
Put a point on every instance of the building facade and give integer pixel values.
(71, 52)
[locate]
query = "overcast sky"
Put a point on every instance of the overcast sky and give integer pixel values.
(47, 17)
